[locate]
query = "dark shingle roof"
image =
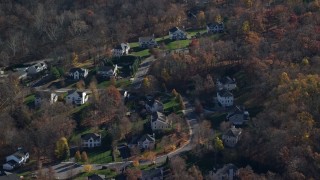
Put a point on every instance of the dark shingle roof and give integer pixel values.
(158, 116)
(95, 177)
(73, 70)
(8, 176)
(174, 29)
(105, 68)
(225, 93)
(212, 25)
(73, 91)
(227, 80)
(147, 136)
(87, 136)
(234, 132)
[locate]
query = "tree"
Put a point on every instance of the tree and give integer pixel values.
(81, 85)
(133, 173)
(77, 156)
(113, 81)
(201, 18)
(218, 144)
(62, 149)
(87, 168)
(174, 93)
(245, 27)
(75, 59)
(84, 157)
(55, 72)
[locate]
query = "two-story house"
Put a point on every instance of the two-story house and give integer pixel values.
(16, 160)
(232, 136)
(91, 140)
(45, 96)
(159, 121)
(77, 97)
(147, 42)
(120, 50)
(78, 73)
(227, 172)
(36, 68)
(226, 83)
(238, 116)
(153, 105)
(107, 71)
(147, 141)
(177, 34)
(215, 28)
(225, 98)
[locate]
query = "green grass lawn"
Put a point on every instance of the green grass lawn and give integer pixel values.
(29, 99)
(178, 44)
(134, 44)
(107, 172)
(170, 104)
(99, 156)
(194, 32)
(143, 53)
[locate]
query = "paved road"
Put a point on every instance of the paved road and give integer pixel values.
(142, 72)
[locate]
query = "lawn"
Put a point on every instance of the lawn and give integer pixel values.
(178, 44)
(107, 172)
(171, 106)
(99, 156)
(143, 53)
(194, 32)
(29, 99)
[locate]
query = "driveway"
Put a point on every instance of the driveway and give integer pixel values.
(142, 72)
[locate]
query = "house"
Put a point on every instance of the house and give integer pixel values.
(20, 157)
(227, 172)
(232, 136)
(77, 97)
(10, 165)
(159, 121)
(8, 176)
(16, 160)
(147, 141)
(96, 177)
(122, 49)
(177, 34)
(225, 98)
(153, 174)
(226, 83)
(215, 28)
(147, 42)
(107, 71)
(20, 74)
(238, 116)
(78, 73)
(47, 96)
(153, 105)
(36, 68)
(91, 140)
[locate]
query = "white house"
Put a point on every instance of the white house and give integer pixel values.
(122, 49)
(153, 106)
(238, 116)
(159, 121)
(76, 97)
(36, 68)
(78, 73)
(147, 42)
(177, 34)
(147, 141)
(232, 136)
(226, 83)
(225, 98)
(91, 140)
(107, 71)
(47, 96)
(215, 28)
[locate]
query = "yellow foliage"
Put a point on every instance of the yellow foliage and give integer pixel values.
(135, 163)
(87, 168)
(246, 26)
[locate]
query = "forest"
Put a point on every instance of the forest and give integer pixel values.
(275, 43)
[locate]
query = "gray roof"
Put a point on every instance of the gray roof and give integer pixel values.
(147, 136)
(73, 91)
(233, 132)
(81, 70)
(87, 136)
(43, 94)
(226, 80)
(96, 177)
(149, 38)
(239, 111)
(105, 68)
(174, 29)
(225, 93)
(212, 25)
(158, 116)
(226, 169)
